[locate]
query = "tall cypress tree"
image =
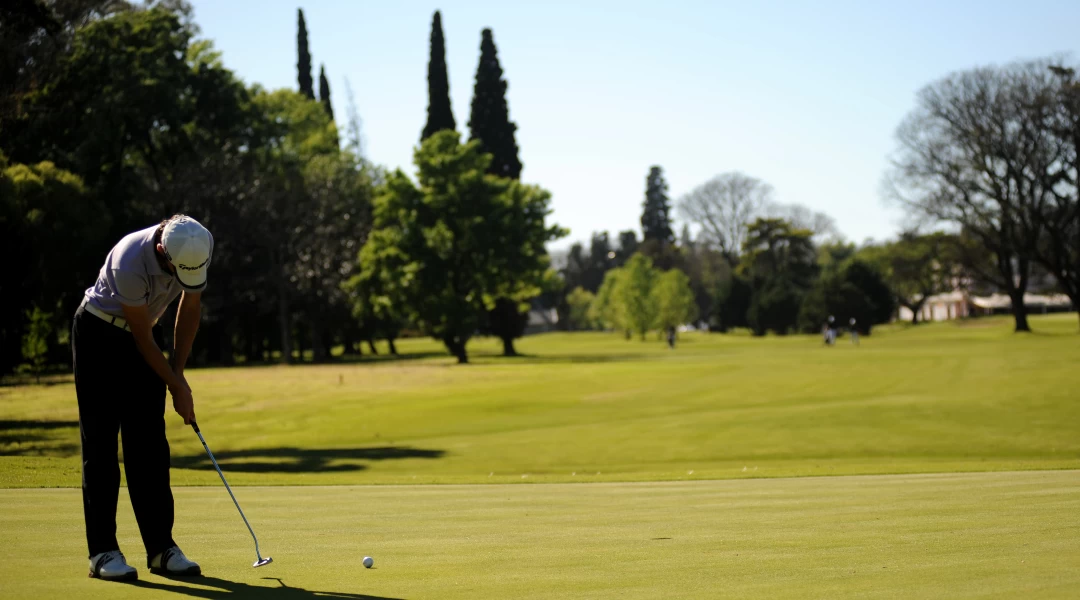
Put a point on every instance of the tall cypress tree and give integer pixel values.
(490, 123)
(440, 116)
(324, 92)
(490, 120)
(303, 63)
(655, 218)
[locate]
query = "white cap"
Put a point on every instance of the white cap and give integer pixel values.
(188, 246)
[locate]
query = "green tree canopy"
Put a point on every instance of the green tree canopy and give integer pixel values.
(656, 215)
(780, 264)
(635, 294)
(44, 213)
(674, 300)
(303, 57)
(490, 121)
(324, 92)
(855, 290)
(440, 116)
(457, 239)
(607, 310)
(917, 266)
(580, 301)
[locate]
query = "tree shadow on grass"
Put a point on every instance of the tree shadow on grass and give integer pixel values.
(38, 438)
(338, 360)
(388, 358)
(301, 460)
(7, 425)
(570, 358)
(60, 377)
(233, 590)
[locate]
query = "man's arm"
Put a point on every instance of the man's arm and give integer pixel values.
(188, 316)
(138, 318)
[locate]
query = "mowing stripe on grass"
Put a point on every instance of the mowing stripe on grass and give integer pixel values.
(986, 535)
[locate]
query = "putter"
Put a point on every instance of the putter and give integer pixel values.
(262, 561)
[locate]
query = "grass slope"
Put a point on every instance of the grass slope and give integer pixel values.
(967, 396)
(986, 535)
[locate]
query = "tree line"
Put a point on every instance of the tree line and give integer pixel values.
(114, 115)
(754, 263)
(986, 167)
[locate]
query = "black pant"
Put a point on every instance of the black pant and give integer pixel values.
(119, 392)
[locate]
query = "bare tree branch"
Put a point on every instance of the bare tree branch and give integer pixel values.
(723, 207)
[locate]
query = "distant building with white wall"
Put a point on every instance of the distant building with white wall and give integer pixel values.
(959, 304)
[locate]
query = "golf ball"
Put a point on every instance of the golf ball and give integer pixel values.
(368, 561)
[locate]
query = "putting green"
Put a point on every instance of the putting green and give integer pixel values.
(986, 535)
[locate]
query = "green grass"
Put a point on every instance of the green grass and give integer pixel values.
(592, 407)
(986, 535)
(971, 435)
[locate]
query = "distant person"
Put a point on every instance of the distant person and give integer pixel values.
(831, 330)
(671, 337)
(120, 379)
(854, 331)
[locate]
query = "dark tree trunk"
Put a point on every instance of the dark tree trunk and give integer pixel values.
(318, 347)
(393, 348)
(254, 344)
(1016, 293)
(348, 341)
(507, 323)
(456, 346)
(301, 340)
(1019, 310)
(915, 308)
(1073, 294)
(508, 347)
(225, 339)
(211, 342)
(371, 346)
(285, 322)
(328, 345)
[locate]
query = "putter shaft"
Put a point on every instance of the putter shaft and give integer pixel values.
(261, 560)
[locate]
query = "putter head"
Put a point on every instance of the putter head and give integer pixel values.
(262, 562)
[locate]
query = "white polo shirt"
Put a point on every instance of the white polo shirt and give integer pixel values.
(133, 276)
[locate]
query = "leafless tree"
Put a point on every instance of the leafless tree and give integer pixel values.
(723, 207)
(818, 223)
(1059, 247)
(972, 155)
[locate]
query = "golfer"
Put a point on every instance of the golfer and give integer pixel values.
(120, 379)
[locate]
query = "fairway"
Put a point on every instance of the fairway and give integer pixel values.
(988, 535)
(954, 452)
(594, 407)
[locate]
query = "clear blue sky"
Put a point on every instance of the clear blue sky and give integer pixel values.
(804, 95)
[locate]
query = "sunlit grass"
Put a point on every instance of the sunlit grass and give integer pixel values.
(968, 396)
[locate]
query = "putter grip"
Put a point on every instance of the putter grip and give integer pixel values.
(195, 426)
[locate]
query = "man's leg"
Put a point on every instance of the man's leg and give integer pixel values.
(146, 454)
(99, 423)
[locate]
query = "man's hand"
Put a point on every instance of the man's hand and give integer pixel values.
(182, 401)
